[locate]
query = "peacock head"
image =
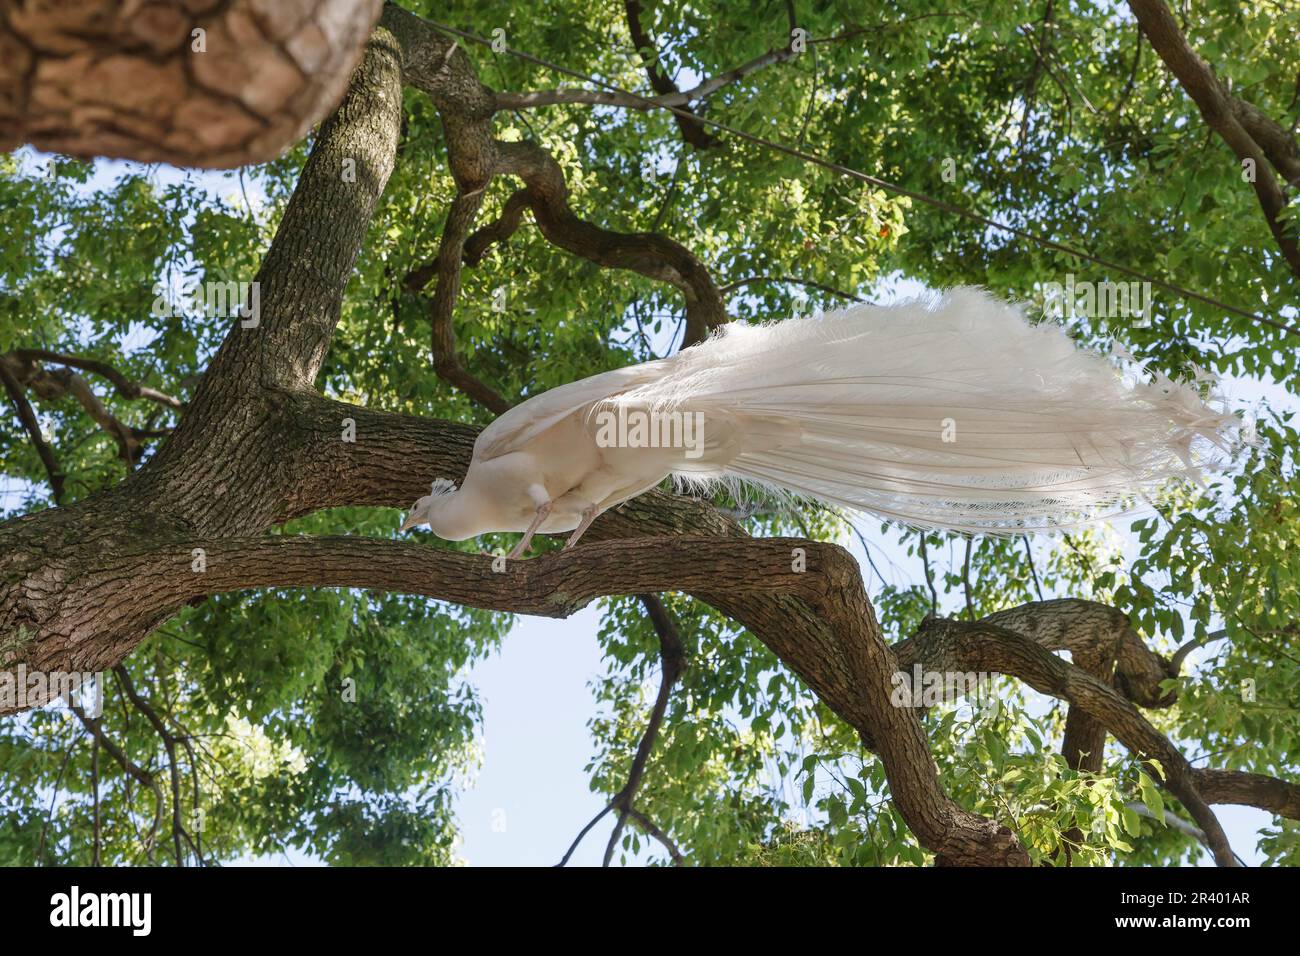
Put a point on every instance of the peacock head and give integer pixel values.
(427, 509)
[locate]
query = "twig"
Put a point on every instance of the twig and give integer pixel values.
(1033, 571)
(965, 577)
(794, 280)
(929, 577)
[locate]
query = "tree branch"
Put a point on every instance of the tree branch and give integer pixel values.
(125, 387)
(498, 231)
(672, 660)
(33, 428)
(133, 769)
(793, 280)
(1249, 789)
(692, 132)
(51, 386)
(650, 254)
(671, 97)
(129, 81)
(982, 646)
(1225, 114)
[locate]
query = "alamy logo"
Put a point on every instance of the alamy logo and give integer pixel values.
(922, 688)
(75, 908)
(21, 689)
(211, 299)
(636, 428)
(1097, 300)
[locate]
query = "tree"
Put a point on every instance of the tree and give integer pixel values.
(219, 536)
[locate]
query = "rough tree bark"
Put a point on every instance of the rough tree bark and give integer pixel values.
(82, 585)
(188, 82)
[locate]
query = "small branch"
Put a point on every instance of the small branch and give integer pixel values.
(145, 778)
(54, 796)
(96, 832)
(33, 427)
(929, 575)
(673, 100)
(672, 659)
(1169, 820)
(648, 825)
(613, 837)
(67, 382)
(1033, 571)
(583, 832)
(1180, 655)
(965, 578)
(1131, 82)
(169, 744)
(24, 365)
(793, 280)
(125, 387)
(505, 226)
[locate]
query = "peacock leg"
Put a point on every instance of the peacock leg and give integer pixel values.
(543, 510)
(588, 516)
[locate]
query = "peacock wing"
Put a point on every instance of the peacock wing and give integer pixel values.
(519, 425)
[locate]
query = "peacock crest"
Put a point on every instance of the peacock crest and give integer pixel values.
(441, 486)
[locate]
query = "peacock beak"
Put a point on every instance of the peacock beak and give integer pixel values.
(410, 522)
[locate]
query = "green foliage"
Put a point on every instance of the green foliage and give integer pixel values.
(1102, 152)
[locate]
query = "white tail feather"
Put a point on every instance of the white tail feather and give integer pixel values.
(955, 413)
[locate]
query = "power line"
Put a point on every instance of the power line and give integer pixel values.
(881, 183)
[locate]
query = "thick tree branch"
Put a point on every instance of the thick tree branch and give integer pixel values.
(103, 79)
(1237, 124)
(1249, 789)
(850, 666)
(982, 646)
(648, 253)
(207, 85)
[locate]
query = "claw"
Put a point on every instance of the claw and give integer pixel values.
(543, 510)
(588, 516)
